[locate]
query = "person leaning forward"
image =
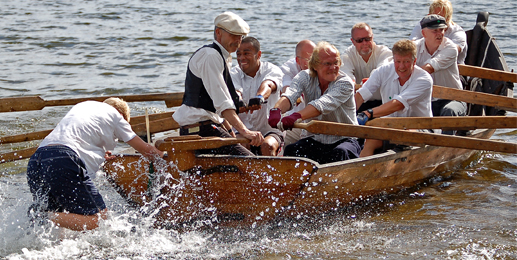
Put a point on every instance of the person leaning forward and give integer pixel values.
(330, 97)
(210, 102)
(60, 173)
(405, 90)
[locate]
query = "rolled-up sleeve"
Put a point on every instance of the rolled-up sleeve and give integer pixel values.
(211, 72)
(339, 92)
(447, 57)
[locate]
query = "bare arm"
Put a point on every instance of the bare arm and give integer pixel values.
(387, 108)
(144, 148)
(358, 100)
(266, 88)
(427, 67)
(283, 104)
(309, 112)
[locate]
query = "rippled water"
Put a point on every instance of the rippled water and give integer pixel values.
(65, 49)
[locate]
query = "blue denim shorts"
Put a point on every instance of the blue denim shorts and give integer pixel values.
(59, 182)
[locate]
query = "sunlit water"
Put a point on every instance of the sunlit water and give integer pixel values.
(68, 49)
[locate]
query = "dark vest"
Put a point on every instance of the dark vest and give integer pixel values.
(195, 92)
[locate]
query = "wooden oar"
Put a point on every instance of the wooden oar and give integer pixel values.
(135, 123)
(444, 122)
(407, 137)
(155, 126)
(17, 155)
(36, 103)
(486, 73)
(479, 98)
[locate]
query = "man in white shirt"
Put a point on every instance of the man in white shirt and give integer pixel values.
(258, 82)
(329, 94)
(210, 102)
(437, 55)
(360, 59)
(61, 171)
(405, 90)
(291, 68)
(453, 31)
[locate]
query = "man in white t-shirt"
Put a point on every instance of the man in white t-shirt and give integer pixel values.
(60, 172)
(438, 55)
(360, 59)
(291, 68)
(259, 83)
(405, 90)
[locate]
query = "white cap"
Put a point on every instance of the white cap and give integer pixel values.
(232, 23)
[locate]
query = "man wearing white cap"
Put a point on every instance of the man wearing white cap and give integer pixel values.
(210, 102)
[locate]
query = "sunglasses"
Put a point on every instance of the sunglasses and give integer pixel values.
(360, 40)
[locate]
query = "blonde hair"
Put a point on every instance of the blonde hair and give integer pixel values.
(446, 5)
(120, 105)
(405, 47)
(315, 57)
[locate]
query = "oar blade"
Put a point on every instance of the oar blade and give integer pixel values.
(21, 104)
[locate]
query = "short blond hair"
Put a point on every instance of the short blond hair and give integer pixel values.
(360, 25)
(446, 5)
(315, 57)
(120, 105)
(404, 47)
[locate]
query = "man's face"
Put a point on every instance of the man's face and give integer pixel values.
(230, 42)
(248, 59)
(404, 65)
(328, 68)
(363, 41)
(433, 37)
(304, 56)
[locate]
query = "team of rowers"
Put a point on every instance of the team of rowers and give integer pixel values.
(261, 102)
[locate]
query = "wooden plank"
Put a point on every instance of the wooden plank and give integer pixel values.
(486, 73)
(491, 100)
(453, 123)
(28, 103)
(406, 137)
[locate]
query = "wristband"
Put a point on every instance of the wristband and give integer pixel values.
(371, 112)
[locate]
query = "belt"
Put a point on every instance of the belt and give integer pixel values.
(195, 127)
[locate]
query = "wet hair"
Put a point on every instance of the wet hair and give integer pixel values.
(404, 47)
(446, 6)
(360, 26)
(254, 42)
(315, 57)
(120, 105)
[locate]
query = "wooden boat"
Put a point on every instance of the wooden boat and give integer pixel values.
(186, 188)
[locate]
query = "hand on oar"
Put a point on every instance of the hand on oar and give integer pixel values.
(409, 137)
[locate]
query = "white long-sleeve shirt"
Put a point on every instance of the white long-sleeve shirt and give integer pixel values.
(415, 94)
(443, 61)
(248, 87)
(208, 65)
(453, 32)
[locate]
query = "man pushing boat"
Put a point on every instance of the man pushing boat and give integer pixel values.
(210, 102)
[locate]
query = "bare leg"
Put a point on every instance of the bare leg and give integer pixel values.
(77, 222)
(369, 147)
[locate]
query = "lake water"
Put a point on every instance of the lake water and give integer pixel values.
(69, 49)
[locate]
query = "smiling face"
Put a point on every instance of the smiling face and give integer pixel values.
(248, 58)
(328, 67)
(404, 66)
(230, 42)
